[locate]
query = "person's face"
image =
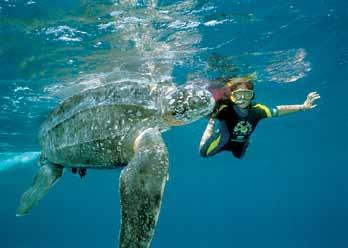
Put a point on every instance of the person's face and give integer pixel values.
(242, 96)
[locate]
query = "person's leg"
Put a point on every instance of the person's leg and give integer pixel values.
(216, 141)
(239, 148)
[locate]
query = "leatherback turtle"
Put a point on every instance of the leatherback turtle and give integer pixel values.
(113, 125)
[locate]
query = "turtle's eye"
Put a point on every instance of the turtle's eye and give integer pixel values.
(180, 109)
(194, 101)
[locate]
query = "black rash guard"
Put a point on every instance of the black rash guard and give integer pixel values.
(233, 128)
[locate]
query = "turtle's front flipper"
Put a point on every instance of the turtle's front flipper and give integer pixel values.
(43, 181)
(141, 187)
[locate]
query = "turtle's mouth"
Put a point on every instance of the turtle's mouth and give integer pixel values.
(179, 118)
(170, 119)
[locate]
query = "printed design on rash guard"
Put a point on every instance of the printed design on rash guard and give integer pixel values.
(241, 130)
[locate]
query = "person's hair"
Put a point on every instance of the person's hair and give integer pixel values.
(222, 93)
(236, 83)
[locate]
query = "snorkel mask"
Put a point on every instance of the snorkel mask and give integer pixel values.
(241, 94)
(241, 88)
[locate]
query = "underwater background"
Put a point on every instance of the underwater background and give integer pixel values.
(290, 190)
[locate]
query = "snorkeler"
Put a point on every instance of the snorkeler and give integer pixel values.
(235, 117)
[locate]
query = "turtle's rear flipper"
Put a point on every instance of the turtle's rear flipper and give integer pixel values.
(74, 170)
(82, 172)
(141, 187)
(43, 181)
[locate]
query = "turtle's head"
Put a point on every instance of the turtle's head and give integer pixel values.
(186, 104)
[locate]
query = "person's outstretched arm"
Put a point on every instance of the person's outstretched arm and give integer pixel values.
(307, 105)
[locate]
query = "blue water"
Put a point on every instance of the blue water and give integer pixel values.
(289, 191)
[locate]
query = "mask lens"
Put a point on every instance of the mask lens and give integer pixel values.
(243, 94)
(249, 94)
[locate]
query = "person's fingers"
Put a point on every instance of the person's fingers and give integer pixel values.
(313, 106)
(312, 93)
(311, 97)
(315, 97)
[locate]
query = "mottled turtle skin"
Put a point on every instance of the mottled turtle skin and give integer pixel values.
(97, 128)
(112, 125)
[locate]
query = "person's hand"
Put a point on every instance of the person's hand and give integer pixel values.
(309, 103)
(213, 115)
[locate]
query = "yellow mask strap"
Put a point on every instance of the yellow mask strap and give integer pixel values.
(232, 98)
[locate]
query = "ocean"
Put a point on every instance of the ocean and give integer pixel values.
(290, 190)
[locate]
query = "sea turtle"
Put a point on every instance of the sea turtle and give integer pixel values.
(118, 124)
